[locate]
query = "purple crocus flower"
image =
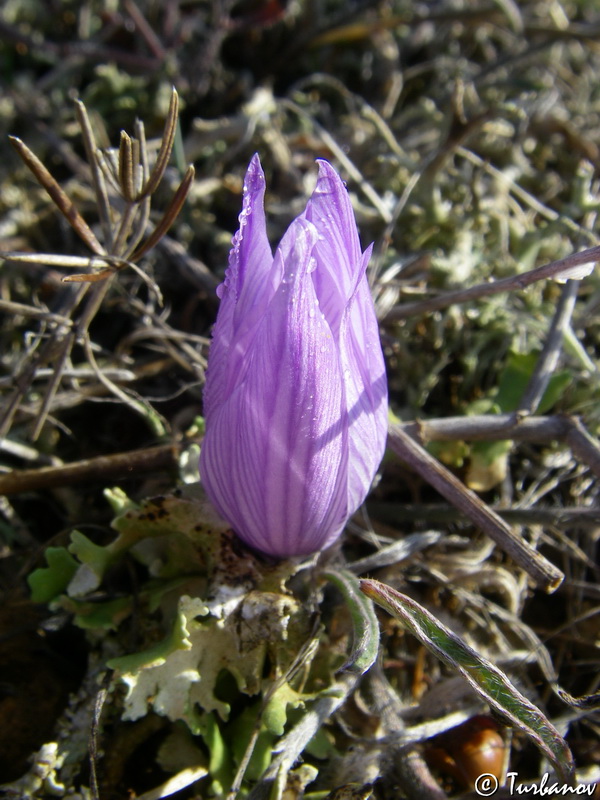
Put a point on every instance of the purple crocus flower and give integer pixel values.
(296, 398)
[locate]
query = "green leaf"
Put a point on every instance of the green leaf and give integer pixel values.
(179, 676)
(118, 501)
(487, 680)
(516, 375)
(240, 732)
(107, 615)
(276, 713)
(178, 639)
(172, 535)
(48, 582)
(365, 645)
(96, 557)
(219, 765)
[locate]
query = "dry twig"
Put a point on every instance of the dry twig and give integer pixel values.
(92, 470)
(123, 225)
(554, 270)
(543, 573)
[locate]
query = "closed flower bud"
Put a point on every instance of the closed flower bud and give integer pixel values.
(296, 398)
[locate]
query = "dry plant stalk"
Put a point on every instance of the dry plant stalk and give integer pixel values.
(124, 215)
(101, 468)
(545, 574)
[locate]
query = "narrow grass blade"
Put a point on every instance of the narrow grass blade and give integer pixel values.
(486, 679)
(143, 201)
(60, 199)
(89, 142)
(162, 158)
(365, 645)
(168, 217)
(88, 277)
(126, 167)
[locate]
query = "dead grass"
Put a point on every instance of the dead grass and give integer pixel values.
(468, 136)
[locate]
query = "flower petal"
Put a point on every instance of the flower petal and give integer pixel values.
(250, 282)
(296, 397)
(338, 251)
(274, 459)
(366, 391)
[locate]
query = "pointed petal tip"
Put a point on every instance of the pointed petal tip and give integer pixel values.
(255, 163)
(327, 170)
(254, 180)
(329, 182)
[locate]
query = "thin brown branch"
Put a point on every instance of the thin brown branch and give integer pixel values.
(66, 262)
(514, 282)
(61, 355)
(441, 514)
(134, 182)
(59, 198)
(145, 30)
(48, 352)
(583, 445)
(545, 574)
(101, 469)
(52, 387)
(498, 427)
(20, 309)
(137, 404)
(89, 277)
(26, 375)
